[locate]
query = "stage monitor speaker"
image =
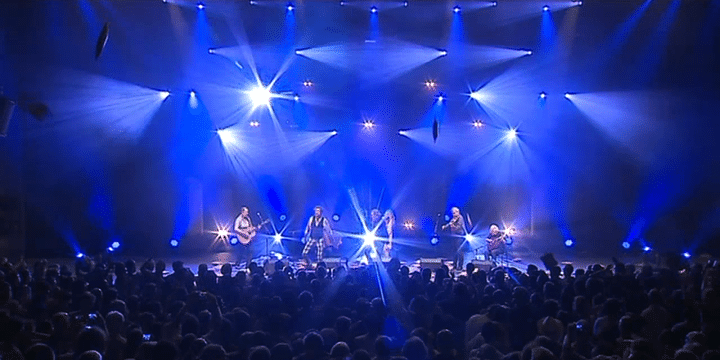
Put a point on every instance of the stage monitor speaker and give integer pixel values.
(483, 265)
(431, 263)
(549, 261)
(6, 110)
(334, 262)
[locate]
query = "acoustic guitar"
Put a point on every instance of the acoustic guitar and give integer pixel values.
(245, 236)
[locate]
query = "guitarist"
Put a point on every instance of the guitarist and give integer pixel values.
(318, 234)
(244, 225)
(495, 241)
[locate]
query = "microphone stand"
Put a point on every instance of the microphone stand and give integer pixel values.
(267, 247)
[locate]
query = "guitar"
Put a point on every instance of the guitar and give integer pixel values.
(245, 236)
(497, 243)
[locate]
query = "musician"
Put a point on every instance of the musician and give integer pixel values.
(318, 233)
(495, 241)
(243, 224)
(383, 225)
(458, 231)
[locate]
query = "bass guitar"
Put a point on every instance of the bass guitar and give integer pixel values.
(245, 236)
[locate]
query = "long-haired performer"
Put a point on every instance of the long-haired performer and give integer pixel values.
(318, 234)
(458, 231)
(382, 225)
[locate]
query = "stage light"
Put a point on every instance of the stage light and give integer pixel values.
(164, 94)
(405, 3)
(211, 51)
(336, 217)
(494, 3)
(115, 244)
(296, 98)
(568, 95)
(368, 124)
(259, 96)
(686, 255)
(477, 124)
(569, 243)
(334, 132)
(223, 233)
(277, 238)
(528, 52)
(434, 240)
(402, 132)
(283, 217)
(373, 9)
(647, 248)
(430, 84)
(369, 238)
(110, 249)
(290, 7)
(234, 240)
(192, 93)
(342, 3)
(200, 6)
(469, 237)
(254, 123)
(79, 255)
(174, 243)
(307, 83)
(443, 52)
(441, 98)
(546, 8)
(543, 95)
(476, 95)
(511, 134)
(626, 245)
(409, 225)
(253, 2)
(456, 9)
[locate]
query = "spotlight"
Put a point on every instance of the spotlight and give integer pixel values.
(494, 3)
(79, 255)
(259, 96)
(334, 132)
(686, 255)
(430, 84)
(434, 240)
(569, 243)
(290, 7)
(342, 3)
(234, 240)
(543, 95)
(211, 51)
(174, 243)
(409, 225)
(477, 124)
(528, 52)
(115, 244)
(405, 3)
(296, 98)
(373, 9)
(277, 238)
(476, 95)
(200, 6)
(647, 248)
(283, 217)
(511, 134)
(307, 83)
(192, 93)
(546, 8)
(443, 52)
(254, 123)
(110, 249)
(253, 2)
(223, 233)
(568, 95)
(368, 124)
(164, 94)
(456, 9)
(336, 217)
(441, 97)
(369, 238)
(469, 237)
(626, 245)
(402, 132)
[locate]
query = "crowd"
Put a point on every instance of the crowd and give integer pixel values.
(106, 309)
